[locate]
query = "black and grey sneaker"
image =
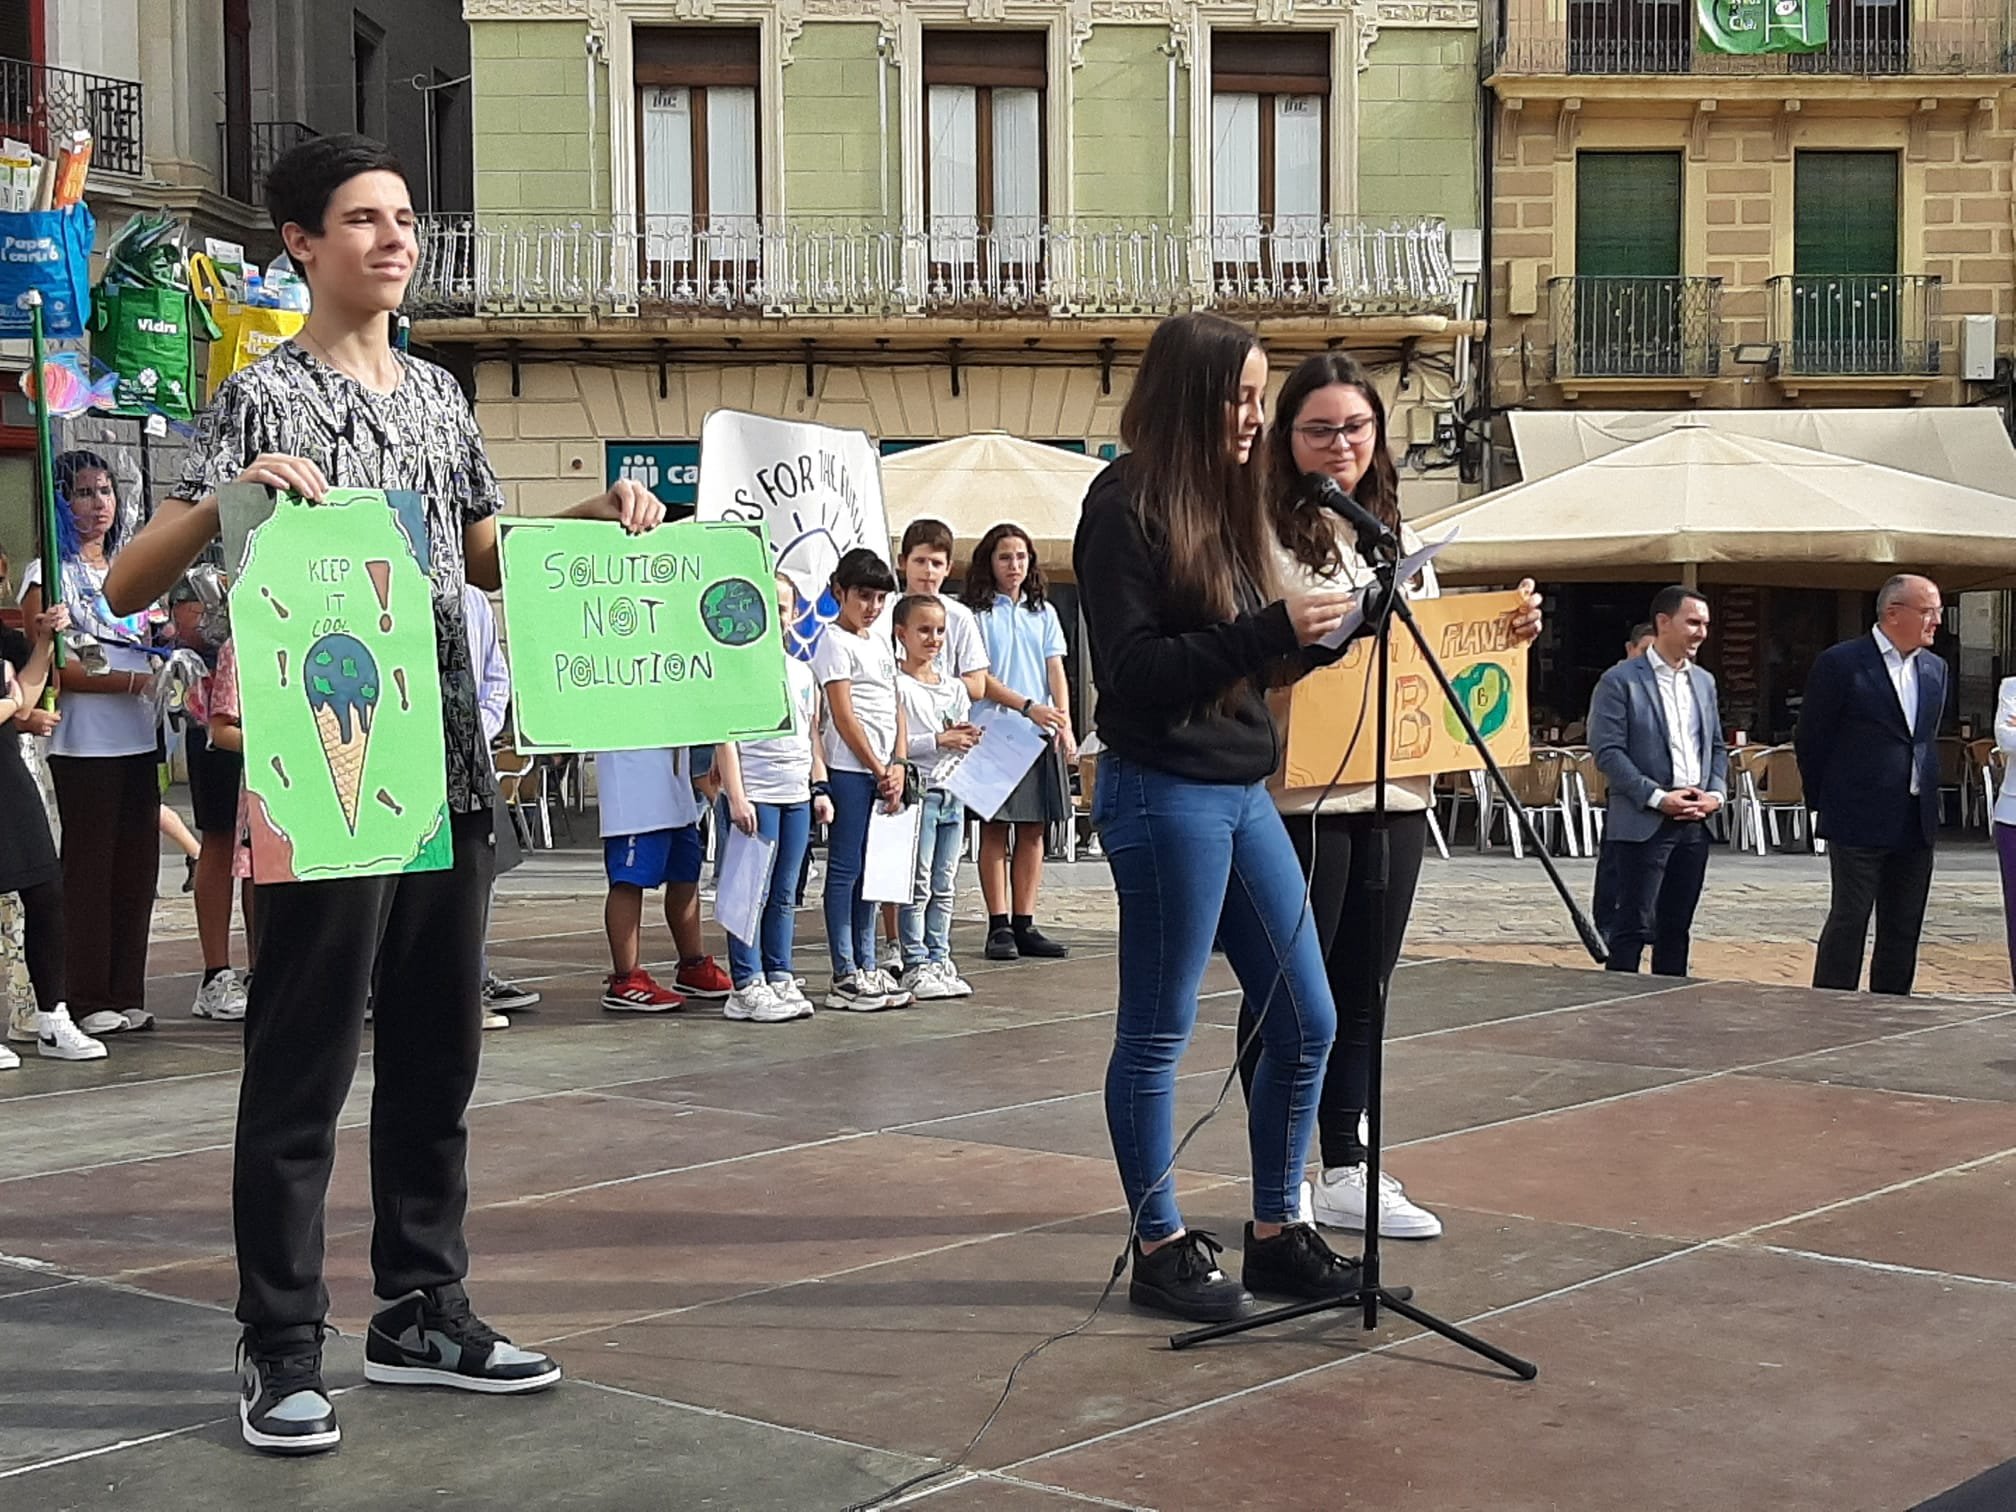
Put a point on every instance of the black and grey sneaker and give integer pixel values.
(282, 1405)
(433, 1339)
(1182, 1278)
(500, 996)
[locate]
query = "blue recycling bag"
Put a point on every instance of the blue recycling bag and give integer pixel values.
(51, 251)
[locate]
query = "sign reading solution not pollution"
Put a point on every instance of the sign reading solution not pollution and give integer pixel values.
(629, 643)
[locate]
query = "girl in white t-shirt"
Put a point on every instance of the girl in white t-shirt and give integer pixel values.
(937, 710)
(102, 759)
(776, 788)
(862, 738)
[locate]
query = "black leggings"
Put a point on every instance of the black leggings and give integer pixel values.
(42, 938)
(1360, 951)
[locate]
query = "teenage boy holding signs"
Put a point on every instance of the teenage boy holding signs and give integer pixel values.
(339, 407)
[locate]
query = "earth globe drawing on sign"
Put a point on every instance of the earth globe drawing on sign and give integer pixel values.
(1486, 691)
(809, 560)
(735, 612)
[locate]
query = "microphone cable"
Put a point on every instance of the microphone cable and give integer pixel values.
(1384, 608)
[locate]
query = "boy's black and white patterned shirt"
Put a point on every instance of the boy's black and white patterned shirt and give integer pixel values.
(420, 437)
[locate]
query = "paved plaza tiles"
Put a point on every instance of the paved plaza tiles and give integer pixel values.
(1760, 1240)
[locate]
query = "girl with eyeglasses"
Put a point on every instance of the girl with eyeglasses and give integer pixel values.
(1330, 420)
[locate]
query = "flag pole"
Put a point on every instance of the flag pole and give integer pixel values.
(45, 485)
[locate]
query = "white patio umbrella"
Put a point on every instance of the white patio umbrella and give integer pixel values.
(975, 482)
(1729, 508)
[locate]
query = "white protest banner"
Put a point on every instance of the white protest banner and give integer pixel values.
(817, 488)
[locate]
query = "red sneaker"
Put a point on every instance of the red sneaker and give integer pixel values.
(703, 979)
(637, 993)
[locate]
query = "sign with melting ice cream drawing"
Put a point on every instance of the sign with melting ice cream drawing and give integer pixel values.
(332, 615)
(817, 489)
(625, 643)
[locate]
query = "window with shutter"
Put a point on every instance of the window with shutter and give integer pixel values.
(1844, 287)
(1270, 154)
(1628, 293)
(699, 161)
(984, 188)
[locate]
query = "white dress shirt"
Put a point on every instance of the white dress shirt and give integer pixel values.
(1676, 701)
(1903, 670)
(2005, 739)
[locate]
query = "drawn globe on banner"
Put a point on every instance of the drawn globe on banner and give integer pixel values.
(809, 562)
(735, 612)
(1486, 691)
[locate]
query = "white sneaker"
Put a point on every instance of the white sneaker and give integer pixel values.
(59, 1039)
(222, 998)
(758, 1003)
(105, 1021)
(791, 990)
(492, 1019)
(9, 1061)
(1339, 1202)
(856, 993)
(137, 1019)
(955, 985)
(1304, 1212)
(925, 983)
(21, 1021)
(893, 991)
(891, 963)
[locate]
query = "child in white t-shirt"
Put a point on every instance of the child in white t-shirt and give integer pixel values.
(651, 838)
(776, 788)
(936, 710)
(924, 559)
(863, 741)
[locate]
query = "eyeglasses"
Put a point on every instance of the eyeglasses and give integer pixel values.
(1353, 431)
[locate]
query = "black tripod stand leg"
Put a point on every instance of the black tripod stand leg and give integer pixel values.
(1526, 1370)
(1591, 941)
(1265, 1319)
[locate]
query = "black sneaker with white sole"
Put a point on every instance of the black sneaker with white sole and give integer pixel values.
(283, 1407)
(1297, 1263)
(1183, 1278)
(433, 1339)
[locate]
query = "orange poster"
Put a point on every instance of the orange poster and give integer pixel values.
(1471, 636)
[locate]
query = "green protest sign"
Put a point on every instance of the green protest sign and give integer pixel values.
(630, 643)
(332, 623)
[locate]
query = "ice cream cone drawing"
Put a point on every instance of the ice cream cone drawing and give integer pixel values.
(342, 686)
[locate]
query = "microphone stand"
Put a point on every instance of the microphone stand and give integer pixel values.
(1384, 604)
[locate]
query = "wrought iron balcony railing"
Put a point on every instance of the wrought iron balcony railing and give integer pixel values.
(1855, 324)
(39, 104)
(743, 266)
(250, 149)
(1659, 37)
(1636, 327)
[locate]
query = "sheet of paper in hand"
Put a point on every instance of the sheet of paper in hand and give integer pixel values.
(630, 643)
(333, 617)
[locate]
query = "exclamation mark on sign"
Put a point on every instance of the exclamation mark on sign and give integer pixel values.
(381, 579)
(399, 677)
(283, 668)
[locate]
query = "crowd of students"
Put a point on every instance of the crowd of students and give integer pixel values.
(880, 712)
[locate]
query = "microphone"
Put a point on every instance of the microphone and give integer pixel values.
(1374, 535)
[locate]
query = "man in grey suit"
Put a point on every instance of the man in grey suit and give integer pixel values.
(1656, 729)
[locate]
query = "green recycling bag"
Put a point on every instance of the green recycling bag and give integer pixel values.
(148, 337)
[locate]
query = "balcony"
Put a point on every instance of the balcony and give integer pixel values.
(249, 149)
(1855, 326)
(39, 105)
(1636, 329)
(1865, 37)
(744, 268)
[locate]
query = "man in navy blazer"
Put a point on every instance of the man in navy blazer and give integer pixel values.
(1869, 758)
(1655, 727)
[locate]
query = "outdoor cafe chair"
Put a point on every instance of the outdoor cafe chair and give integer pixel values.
(1783, 791)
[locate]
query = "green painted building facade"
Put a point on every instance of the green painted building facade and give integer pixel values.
(927, 217)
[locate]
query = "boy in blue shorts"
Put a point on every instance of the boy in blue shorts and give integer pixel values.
(651, 838)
